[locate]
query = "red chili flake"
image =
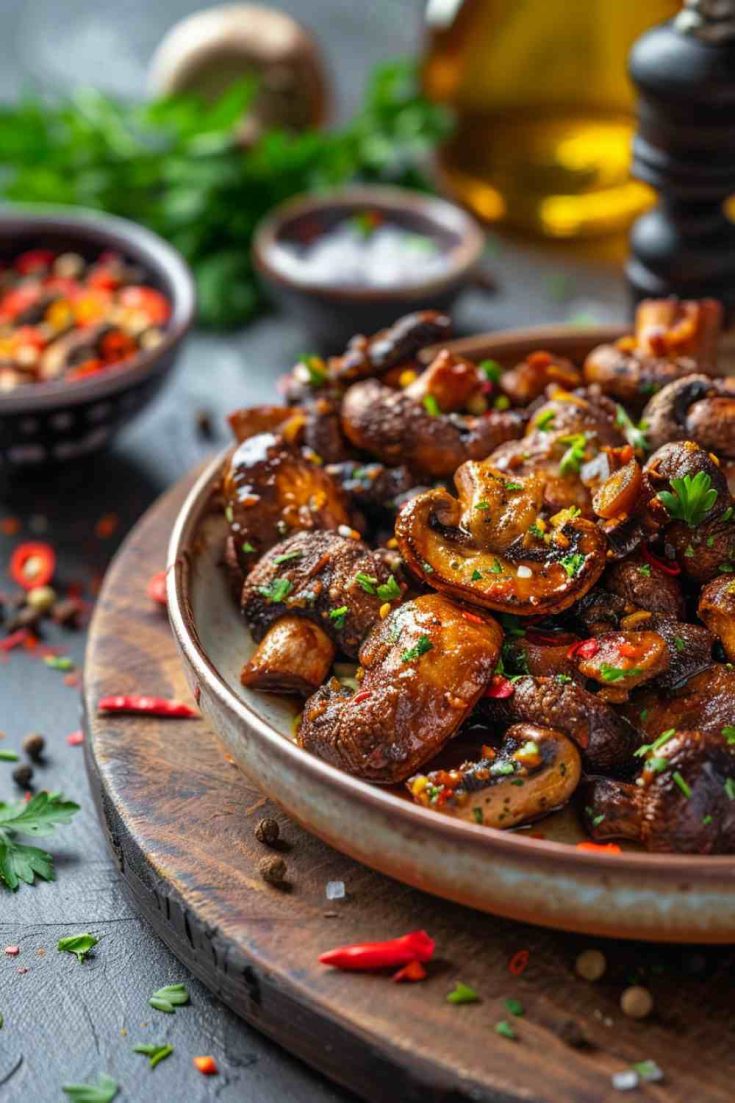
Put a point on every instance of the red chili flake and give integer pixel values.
(472, 617)
(206, 1065)
(12, 951)
(156, 588)
(74, 739)
(585, 649)
(414, 971)
(145, 705)
(672, 569)
(73, 680)
(106, 525)
(609, 848)
(500, 687)
(15, 639)
(519, 962)
(629, 650)
(361, 696)
(32, 564)
(366, 956)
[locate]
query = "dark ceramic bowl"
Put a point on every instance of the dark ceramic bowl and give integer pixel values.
(332, 314)
(56, 421)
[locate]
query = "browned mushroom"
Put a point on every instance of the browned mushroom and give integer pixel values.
(335, 581)
(605, 738)
(411, 426)
(694, 408)
(703, 703)
(422, 670)
(717, 609)
(535, 770)
(373, 488)
(271, 490)
(249, 421)
(529, 379)
(294, 656)
(684, 799)
(644, 585)
(490, 546)
(621, 661)
(672, 339)
(391, 347)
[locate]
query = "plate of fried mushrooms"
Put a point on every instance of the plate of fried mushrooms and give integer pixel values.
(466, 611)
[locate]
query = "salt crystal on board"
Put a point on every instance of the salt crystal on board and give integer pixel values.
(335, 890)
(625, 1081)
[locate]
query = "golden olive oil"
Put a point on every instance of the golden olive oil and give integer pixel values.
(544, 108)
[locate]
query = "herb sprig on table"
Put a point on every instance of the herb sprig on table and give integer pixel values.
(43, 813)
(178, 166)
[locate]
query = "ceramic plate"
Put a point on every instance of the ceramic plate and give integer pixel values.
(537, 880)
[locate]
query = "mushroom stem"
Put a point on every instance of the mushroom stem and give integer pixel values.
(294, 656)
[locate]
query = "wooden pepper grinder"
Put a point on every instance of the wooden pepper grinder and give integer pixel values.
(684, 71)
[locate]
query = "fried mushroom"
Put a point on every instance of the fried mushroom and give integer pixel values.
(535, 770)
(717, 609)
(294, 656)
(698, 408)
(488, 547)
(422, 670)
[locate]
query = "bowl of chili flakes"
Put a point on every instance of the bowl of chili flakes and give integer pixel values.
(93, 313)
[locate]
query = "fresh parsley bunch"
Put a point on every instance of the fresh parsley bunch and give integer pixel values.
(40, 816)
(177, 166)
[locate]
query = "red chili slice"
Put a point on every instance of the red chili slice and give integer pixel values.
(499, 687)
(585, 649)
(629, 650)
(34, 260)
(156, 588)
(145, 705)
(604, 848)
(148, 301)
(519, 962)
(472, 617)
(672, 569)
(32, 564)
(361, 696)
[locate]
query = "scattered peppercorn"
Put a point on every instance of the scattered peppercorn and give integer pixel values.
(272, 870)
(33, 745)
(267, 831)
(636, 1002)
(590, 964)
(23, 775)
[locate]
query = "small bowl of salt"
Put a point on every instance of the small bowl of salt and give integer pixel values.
(354, 260)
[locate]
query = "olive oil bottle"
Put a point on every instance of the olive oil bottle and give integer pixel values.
(544, 108)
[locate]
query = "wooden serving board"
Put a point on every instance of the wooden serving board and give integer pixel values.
(180, 820)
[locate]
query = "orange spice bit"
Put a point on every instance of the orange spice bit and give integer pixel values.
(407, 377)
(540, 359)
(414, 971)
(384, 610)
(488, 752)
(609, 848)
(635, 619)
(106, 525)
(9, 526)
(206, 1065)
(626, 344)
(391, 543)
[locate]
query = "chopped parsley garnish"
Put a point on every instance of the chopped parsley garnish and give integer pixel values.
(727, 515)
(496, 567)
(729, 733)
(338, 615)
(689, 552)
(679, 643)
(505, 1030)
(664, 737)
(422, 645)
(366, 582)
(502, 402)
(645, 570)
(288, 556)
(610, 673)
(317, 370)
(515, 1007)
(477, 815)
(681, 784)
(78, 944)
(482, 505)
(276, 591)
(564, 679)
(573, 458)
(730, 788)
(502, 769)
(169, 997)
(573, 564)
(710, 541)
(462, 993)
(536, 530)
(229, 515)
(491, 369)
(389, 590)
(476, 575)
(247, 547)
(634, 434)
(103, 1091)
(707, 820)
(154, 1053)
(690, 499)
(427, 567)
(545, 421)
(513, 486)
(726, 568)
(431, 405)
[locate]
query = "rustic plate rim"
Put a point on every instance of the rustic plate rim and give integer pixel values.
(509, 844)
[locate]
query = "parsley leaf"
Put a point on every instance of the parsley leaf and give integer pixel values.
(154, 1053)
(491, 369)
(276, 591)
(78, 944)
(104, 1091)
(431, 405)
(40, 816)
(338, 615)
(169, 997)
(634, 434)
(462, 993)
(288, 557)
(690, 499)
(610, 673)
(573, 564)
(572, 460)
(422, 645)
(388, 591)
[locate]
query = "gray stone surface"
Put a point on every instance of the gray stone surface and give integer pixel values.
(68, 1022)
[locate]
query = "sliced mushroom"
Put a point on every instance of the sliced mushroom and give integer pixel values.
(294, 656)
(335, 581)
(717, 609)
(423, 669)
(402, 426)
(270, 491)
(698, 408)
(400, 343)
(681, 802)
(487, 546)
(605, 738)
(535, 770)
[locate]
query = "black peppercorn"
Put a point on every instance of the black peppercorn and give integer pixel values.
(22, 776)
(267, 831)
(272, 870)
(33, 745)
